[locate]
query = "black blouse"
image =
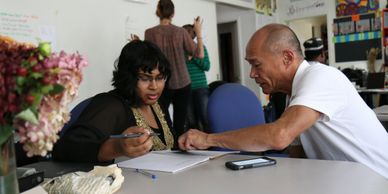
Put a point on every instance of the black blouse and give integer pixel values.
(106, 114)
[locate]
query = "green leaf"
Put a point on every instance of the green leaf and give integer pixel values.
(56, 70)
(34, 110)
(44, 48)
(57, 89)
(36, 75)
(28, 115)
(25, 63)
(5, 133)
(19, 90)
(33, 63)
(20, 80)
(47, 89)
(37, 100)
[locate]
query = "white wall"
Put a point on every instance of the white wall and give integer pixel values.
(99, 29)
(239, 3)
(246, 26)
(303, 27)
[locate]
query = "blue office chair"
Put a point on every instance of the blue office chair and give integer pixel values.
(232, 106)
(74, 114)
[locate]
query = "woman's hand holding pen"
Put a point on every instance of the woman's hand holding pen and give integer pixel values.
(133, 147)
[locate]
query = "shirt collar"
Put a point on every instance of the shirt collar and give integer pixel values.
(298, 75)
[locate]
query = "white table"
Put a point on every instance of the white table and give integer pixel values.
(291, 176)
(373, 96)
(377, 90)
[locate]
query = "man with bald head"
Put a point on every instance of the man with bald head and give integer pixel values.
(324, 109)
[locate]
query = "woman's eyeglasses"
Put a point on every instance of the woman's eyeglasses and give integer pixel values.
(145, 79)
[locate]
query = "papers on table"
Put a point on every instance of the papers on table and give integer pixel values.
(170, 161)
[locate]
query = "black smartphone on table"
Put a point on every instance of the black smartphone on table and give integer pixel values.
(250, 163)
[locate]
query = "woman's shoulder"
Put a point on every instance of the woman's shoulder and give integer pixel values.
(151, 29)
(110, 98)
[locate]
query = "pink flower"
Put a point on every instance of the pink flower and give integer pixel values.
(49, 80)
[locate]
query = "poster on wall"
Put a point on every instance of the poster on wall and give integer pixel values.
(26, 27)
(353, 7)
(298, 8)
(266, 7)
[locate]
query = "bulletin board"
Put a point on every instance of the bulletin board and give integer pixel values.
(354, 7)
(355, 35)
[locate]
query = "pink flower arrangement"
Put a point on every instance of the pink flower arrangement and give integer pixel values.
(36, 86)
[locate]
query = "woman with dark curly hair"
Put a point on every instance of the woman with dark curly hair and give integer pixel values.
(131, 107)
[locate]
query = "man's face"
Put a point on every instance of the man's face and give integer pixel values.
(264, 67)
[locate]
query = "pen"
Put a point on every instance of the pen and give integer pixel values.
(146, 173)
(132, 135)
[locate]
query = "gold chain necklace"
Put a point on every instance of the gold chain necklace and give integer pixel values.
(158, 144)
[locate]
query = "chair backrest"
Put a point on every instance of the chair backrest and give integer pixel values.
(74, 114)
(232, 106)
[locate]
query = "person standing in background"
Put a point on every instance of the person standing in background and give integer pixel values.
(197, 112)
(314, 51)
(176, 44)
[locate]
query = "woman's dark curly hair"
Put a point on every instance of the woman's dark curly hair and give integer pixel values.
(137, 56)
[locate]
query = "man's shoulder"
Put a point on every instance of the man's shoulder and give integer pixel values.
(320, 68)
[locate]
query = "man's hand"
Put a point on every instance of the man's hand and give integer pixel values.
(193, 139)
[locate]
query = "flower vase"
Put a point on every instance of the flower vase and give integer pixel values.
(8, 178)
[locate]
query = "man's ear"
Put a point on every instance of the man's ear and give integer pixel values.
(288, 57)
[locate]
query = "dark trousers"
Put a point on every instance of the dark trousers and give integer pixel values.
(180, 100)
(197, 112)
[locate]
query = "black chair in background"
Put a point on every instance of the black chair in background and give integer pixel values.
(74, 114)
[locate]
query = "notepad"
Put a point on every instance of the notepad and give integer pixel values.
(170, 161)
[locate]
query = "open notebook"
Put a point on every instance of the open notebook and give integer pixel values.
(171, 161)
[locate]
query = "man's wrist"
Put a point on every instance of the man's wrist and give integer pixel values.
(208, 140)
